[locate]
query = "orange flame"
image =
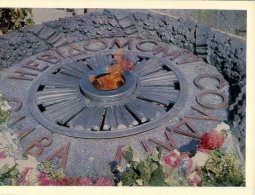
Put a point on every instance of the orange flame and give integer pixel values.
(113, 78)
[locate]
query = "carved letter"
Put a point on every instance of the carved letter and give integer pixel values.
(166, 53)
(39, 145)
(177, 129)
(61, 153)
(35, 66)
(118, 43)
(221, 80)
(188, 58)
(16, 100)
(25, 132)
(119, 154)
(215, 106)
(73, 51)
(204, 116)
(146, 146)
(169, 144)
(49, 57)
(16, 120)
(140, 46)
(89, 45)
(22, 75)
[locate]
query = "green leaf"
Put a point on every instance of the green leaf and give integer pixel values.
(4, 169)
(154, 166)
(129, 155)
(14, 173)
(168, 170)
(140, 168)
(154, 155)
(159, 148)
(157, 178)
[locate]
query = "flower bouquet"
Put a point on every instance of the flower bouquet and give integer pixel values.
(217, 161)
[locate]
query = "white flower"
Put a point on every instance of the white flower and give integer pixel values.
(7, 143)
(5, 106)
(199, 160)
(222, 126)
(120, 168)
(120, 183)
(8, 161)
(31, 177)
(136, 156)
(31, 162)
(139, 182)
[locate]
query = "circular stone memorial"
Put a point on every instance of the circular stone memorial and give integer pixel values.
(169, 97)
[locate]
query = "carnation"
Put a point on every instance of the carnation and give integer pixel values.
(194, 178)
(85, 181)
(172, 159)
(211, 140)
(200, 159)
(103, 181)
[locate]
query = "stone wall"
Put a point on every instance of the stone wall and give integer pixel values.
(229, 21)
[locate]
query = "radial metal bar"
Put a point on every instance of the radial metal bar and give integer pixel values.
(50, 99)
(75, 67)
(88, 119)
(81, 66)
(47, 95)
(96, 120)
(159, 74)
(54, 91)
(61, 81)
(60, 76)
(155, 97)
(99, 61)
(120, 118)
(55, 101)
(155, 83)
(55, 95)
(137, 111)
(80, 117)
(73, 111)
(109, 122)
(159, 79)
(132, 58)
(151, 109)
(149, 70)
(162, 89)
(169, 93)
(149, 67)
(144, 64)
(58, 84)
(71, 73)
(156, 77)
(130, 120)
(54, 114)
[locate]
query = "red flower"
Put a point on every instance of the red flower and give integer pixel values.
(103, 181)
(2, 156)
(211, 140)
(85, 181)
(44, 181)
(194, 178)
(187, 162)
(172, 159)
(24, 175)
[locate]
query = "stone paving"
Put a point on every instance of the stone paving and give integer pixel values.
(181, 55)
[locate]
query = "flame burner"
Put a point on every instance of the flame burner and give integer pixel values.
(92, 92)
(66, 101)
